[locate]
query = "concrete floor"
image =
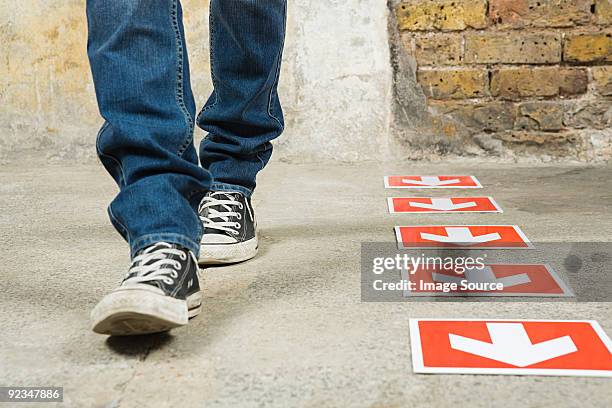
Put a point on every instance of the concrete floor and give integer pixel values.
(288, 328)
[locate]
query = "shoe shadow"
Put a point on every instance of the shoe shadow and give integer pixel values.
(140, 345)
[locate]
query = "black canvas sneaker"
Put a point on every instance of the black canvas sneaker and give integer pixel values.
(160, 291)
(229, 228)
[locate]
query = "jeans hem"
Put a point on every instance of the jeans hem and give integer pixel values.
(172, 238)
(230, 187)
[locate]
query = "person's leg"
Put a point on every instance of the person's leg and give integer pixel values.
(141, 76)
(243, 114)
(140, 70)
(241, 117)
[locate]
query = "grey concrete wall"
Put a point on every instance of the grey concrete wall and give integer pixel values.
(336, 79)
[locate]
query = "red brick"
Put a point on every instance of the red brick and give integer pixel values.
(539, 13)
(602, 78)
(591, 115)
(446, 15)
(439, 49)
(541, 115)
(603, 11)
(483, 116)
(453, 84)
(517, 83)
(588, 47)
(527, 48)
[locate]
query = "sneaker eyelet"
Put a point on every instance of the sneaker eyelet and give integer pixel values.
(240, 205)
(237, 225)
(183, 256)
(235, 232)
(239, 216)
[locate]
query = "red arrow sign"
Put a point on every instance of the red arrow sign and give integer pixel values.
(442, 205)
(461, 236)
(432, 182)
(515, 280)
(523, 347)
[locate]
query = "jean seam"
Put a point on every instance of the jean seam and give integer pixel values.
(258, 155)
(213, 77)
(119, 223)
(230, 187)
(278, 66)
(260, 161)
(102, 154)
(161, 236)
(179, 92)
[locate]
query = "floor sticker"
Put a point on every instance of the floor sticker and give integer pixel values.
(486, 280)
(461, 237)
(442, 205)
(511, 347)
(432, 182)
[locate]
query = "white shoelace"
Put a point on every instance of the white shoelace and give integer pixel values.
(154, 264)
(220, 220)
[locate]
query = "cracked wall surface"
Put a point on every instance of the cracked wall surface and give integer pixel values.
(335, 82)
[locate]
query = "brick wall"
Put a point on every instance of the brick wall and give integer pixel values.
(525, 76)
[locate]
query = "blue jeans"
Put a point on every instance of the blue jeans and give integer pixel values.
(140, 69)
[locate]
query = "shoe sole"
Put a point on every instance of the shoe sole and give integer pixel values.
(228, 253)
(134, 312)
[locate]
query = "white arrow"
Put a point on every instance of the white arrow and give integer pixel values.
(510, 344)
(461, 236)
(431, 181)
(442, 204)
(483, 275)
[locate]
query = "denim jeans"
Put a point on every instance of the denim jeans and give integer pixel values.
(140, 68)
